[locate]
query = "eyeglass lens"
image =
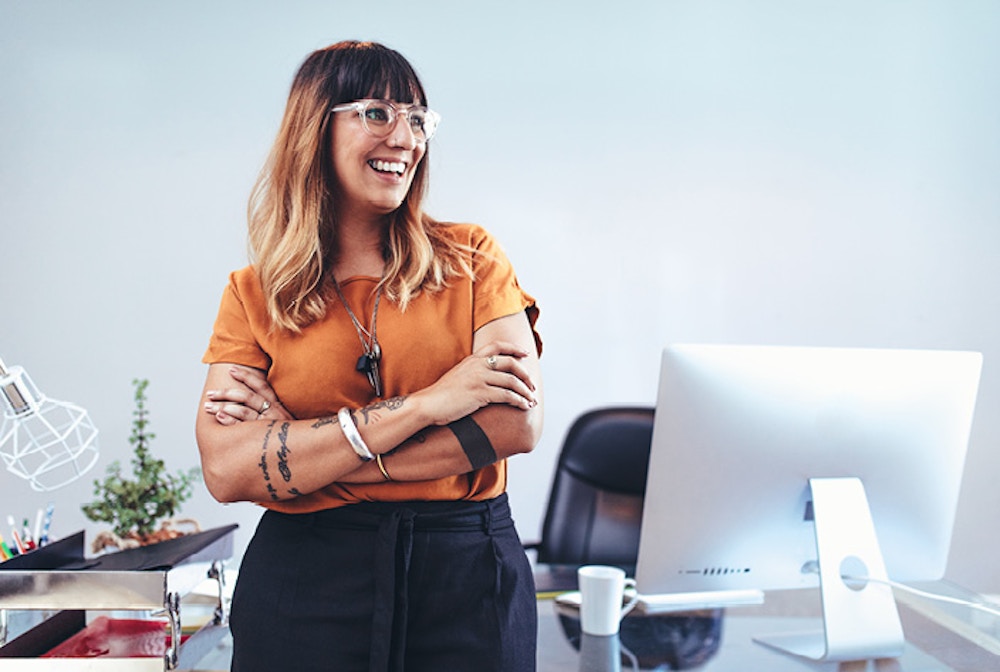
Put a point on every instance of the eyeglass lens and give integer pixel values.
(379, 118)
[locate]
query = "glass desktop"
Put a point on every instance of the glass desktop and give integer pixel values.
(939, 637)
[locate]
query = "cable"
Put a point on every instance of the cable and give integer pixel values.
(973, 604)
(978, 605)
(632, 659)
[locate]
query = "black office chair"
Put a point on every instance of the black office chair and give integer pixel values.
(595, 504)
(594, 516)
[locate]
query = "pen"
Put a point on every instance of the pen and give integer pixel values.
(26, 538)
(38, 526)
(43, 539)
(13, 533)
(4, 551)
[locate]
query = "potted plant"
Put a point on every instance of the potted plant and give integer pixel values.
(134, 506)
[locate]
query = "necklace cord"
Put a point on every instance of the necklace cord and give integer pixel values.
(368, 362)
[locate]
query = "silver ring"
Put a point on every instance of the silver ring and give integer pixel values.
(491, 362)
(263, 407)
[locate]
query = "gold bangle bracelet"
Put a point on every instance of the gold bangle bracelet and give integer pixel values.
(381, 467)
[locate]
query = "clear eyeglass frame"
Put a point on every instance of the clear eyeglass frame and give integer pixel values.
(379, 117)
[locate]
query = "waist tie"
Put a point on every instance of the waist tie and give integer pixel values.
(394, 524)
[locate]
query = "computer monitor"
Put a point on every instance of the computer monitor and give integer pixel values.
(788, 467)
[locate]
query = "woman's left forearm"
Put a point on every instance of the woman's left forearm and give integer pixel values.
(489, 435)
(492, 433)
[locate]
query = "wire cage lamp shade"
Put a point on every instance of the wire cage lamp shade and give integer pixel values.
(47, 442)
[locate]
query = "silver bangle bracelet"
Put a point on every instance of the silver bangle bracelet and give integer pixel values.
(353, 435)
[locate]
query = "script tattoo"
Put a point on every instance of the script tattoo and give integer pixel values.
(323, 421)
(263, 463)
(286, 473)
(372, 413)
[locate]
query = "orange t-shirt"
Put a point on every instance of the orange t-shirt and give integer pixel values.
(313, 372)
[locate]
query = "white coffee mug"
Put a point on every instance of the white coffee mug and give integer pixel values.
(602, 592)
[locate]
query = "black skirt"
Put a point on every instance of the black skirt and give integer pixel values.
(412, 586)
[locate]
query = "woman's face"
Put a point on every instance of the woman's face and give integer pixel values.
(373, 173)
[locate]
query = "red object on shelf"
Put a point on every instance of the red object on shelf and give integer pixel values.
(115, 638)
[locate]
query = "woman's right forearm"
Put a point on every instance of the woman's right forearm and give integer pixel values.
(271, 460)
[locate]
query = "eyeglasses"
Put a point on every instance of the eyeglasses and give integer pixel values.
(379, 117)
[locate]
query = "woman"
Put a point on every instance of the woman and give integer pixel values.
(369, 374)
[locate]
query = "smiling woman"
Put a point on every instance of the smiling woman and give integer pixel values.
(369, 374)
(375, 158)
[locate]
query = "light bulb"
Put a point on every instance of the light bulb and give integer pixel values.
(47, 442)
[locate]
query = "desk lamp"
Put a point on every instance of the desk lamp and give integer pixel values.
(50, 443)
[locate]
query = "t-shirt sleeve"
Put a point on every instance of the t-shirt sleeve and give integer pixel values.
(233, 339)
(497, 291)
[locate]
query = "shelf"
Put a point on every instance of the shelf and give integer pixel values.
(148, 579)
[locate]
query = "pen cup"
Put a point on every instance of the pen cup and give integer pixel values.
(602, 598)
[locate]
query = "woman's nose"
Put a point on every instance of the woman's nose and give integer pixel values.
(402, 134)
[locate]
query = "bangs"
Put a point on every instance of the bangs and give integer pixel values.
(370, 70)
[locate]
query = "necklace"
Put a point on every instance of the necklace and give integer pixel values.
(367, 362)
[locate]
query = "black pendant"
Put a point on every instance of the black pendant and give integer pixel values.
(365, 363)
(368, 361)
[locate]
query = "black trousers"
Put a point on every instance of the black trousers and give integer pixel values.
(417, 586)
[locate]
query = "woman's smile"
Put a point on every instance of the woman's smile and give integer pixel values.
(388, 167)
(373, 173)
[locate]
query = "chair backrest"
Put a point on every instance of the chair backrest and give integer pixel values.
(595, 506)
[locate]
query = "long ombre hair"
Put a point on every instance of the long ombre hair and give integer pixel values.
(291, 209)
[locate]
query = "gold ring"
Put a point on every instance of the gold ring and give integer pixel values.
(263, 407)
(491, 362)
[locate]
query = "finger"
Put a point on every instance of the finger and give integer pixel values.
(250, 405)
(512, 367)
(254, 380)
(225, 419)
(241, 412)
(235, 412)
(248, 377)
(510, 382)
(263, 397)
(511, 397)
(231, 394)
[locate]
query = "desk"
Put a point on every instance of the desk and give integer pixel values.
(940, 637)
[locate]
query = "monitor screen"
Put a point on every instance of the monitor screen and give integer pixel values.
(740, 430)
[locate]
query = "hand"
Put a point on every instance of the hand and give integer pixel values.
(491, 375)
(251, 398)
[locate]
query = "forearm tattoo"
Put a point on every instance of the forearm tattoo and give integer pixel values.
(474, 442)
(263, 463)
(286, 473)
(372, 413)
(323, 422)
(282, 455)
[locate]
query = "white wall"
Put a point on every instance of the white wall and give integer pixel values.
(814, 173)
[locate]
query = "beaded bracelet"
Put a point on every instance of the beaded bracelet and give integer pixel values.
(353, 435)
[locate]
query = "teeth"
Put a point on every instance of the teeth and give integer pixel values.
(388, 166)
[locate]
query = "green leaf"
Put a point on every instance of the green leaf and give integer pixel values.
(138, 504)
